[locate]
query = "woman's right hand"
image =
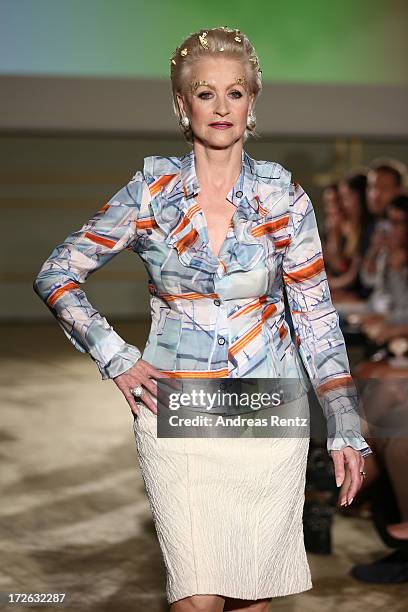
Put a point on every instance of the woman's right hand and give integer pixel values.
(142, 374)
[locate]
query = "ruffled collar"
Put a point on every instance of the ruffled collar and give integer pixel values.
(256, 193)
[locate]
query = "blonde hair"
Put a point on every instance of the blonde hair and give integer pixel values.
(222, 41)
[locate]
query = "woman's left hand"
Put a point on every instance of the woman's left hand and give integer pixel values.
(348, 463)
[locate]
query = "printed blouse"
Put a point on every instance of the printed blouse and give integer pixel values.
(213, 316)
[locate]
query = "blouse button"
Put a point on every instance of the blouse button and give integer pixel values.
(239, 194)
(221, 340)
(217, 302)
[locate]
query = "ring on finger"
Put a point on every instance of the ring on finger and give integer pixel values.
(137, 391)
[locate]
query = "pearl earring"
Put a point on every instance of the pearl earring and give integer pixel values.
(251, 121)
(185, 121)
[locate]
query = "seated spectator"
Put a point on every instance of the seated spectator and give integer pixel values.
(385, 181)
(352, 190)
(386, 268)
(333, 238)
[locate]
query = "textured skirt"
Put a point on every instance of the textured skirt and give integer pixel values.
(227, 511)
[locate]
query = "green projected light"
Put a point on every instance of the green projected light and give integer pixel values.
(343, 41)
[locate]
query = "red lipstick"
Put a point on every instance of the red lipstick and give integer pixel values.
(221, 125)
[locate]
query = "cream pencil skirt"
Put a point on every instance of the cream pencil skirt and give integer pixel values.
(227, 511)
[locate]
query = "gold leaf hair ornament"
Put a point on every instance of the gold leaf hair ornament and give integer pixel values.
(203, 39)
(237, 37)
(255, 60)
(184, 52)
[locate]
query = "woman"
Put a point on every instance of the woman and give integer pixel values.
(388, 277)
(352, 190)
(221, 235)
(333, 239)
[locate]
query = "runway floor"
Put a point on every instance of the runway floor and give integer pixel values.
(74, 517)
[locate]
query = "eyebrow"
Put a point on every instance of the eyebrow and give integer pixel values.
(212, 86)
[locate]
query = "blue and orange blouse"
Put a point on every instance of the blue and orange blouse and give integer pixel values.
(213, 316)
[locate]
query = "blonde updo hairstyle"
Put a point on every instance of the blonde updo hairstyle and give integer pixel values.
(219, 42)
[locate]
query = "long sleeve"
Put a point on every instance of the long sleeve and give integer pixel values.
(111, 230)
(316, 324)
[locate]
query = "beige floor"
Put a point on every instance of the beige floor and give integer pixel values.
(74, 516)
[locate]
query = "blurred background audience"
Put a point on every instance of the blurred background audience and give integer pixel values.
(365, 246)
